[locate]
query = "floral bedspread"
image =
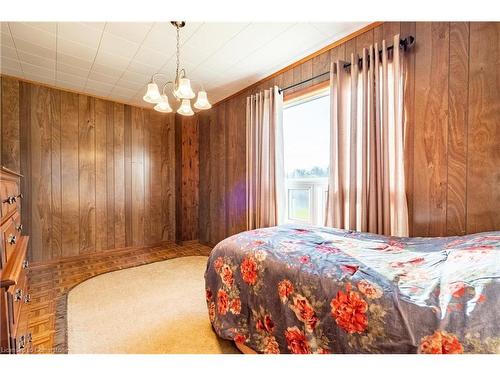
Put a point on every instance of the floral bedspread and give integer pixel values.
(300, 289)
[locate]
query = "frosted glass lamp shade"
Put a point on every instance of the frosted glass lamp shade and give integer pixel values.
(163, 106)
(202, 101)
(185, 108)
(152, 94)
(184, 90)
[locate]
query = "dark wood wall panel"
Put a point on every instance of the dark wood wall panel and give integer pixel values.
(431, 125)
(168, 197)
(457, 128)
(137, 175)
(98, 175)
(483, 170)
(56, 210)
(452, 141)
(41, 144)
(9, 132)
(69, 177)
(86, 177)
(204, 175)
(187, 178)
(101, 193)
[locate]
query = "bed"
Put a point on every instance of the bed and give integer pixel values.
(301, 289)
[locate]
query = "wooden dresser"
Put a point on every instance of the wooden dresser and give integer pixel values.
(14, 295)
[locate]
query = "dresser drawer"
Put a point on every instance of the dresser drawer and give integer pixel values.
(21, 341)
(10, 235)
(17, 297)
(10, 197)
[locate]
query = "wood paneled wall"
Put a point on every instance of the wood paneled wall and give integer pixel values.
(98, 175)
(452, 106)
(187, 177)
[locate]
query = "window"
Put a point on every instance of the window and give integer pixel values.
(306, 134)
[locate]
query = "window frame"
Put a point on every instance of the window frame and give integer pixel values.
(317, 187)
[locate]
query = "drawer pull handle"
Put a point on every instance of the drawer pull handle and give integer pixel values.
(18, 295)
(10, 199)
(19, 228)
(27, 298)
(22, 342)
(12, 239)
(20, 196)
(26, 263)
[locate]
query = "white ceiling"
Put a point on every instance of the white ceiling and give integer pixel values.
(115, 60)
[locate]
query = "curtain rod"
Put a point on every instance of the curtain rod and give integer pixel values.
(403, 43)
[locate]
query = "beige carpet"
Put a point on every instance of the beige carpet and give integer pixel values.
(156, 308)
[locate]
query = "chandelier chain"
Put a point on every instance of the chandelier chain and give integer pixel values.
(178, 55)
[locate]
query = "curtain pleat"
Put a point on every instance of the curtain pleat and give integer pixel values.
(265, 168)
(367, 185)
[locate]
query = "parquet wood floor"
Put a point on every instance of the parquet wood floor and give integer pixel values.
(50, 283)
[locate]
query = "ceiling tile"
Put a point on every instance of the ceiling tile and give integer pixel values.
(8, 52)
(151, 57)
(4, 27)
(132, 31)
(68, 62)
(12, 64)
(131, 85)
(15, 72)
(112, 61)
(140, 68)
(101, 87)
(135, 77)
(80, 33)
(123, 91)
(69, 85)
(96, 76)
(37, 70)
(96, 25)
(212, 36)
(245, 43)
(67, 77)
(75, 49)
(22, 45)
(163, 36)
(50, 27)
(109, 71)
(37, 60)
(331, 29)
(118, 46)
(22, 31)
(70, 69)
(6, 39)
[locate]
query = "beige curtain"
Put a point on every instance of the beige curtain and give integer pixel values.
(265, 170)
(367, 178)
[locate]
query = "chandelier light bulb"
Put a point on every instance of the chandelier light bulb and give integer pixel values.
(185, 108)
(202, 101)
(184, 90)
(164, 105)
(152, 94)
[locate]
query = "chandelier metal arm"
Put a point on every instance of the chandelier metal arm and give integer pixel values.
(156, 75)
(165, 86)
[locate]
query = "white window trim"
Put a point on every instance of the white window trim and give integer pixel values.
(317, 188)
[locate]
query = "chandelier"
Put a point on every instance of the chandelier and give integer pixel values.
(181, 88)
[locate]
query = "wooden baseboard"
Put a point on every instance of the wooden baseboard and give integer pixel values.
(72, 258)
